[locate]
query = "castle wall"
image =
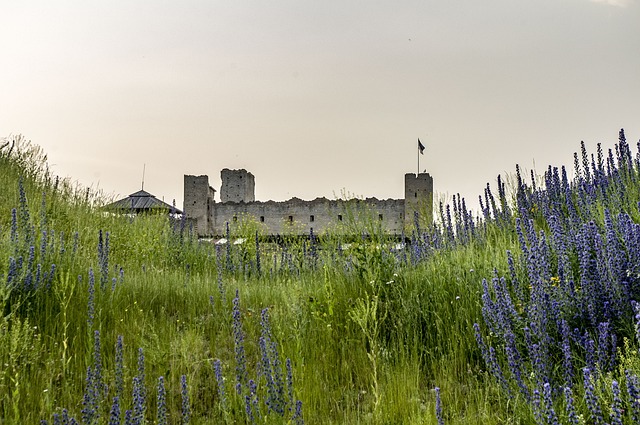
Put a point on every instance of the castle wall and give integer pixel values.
(296, 216)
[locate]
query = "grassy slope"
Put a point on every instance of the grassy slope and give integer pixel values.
(349, 365)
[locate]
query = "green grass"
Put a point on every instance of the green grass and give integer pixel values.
(368, 337)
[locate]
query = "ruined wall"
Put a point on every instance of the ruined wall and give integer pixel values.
(237, 186)
(296, 216)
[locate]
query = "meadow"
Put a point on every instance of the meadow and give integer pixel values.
(524, 313)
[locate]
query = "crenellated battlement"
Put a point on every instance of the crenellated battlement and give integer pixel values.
(237, 201)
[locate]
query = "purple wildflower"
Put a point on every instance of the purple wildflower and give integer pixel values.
(439, 407)
(515, 363)
(289, 383)
(297, 416)
(572, 416)
(91, 301)
(12, 273)
(636, 309)
(253, 392)
(603, 347)
(537, 407)
(161, 403)
(89, 400)
(633, 389)
(238, 336)
(591, 398)
(103, 258)
(217, 368)
(567, 364)
(14, 226)
(186, 405)
(114, 414)
(272, 368)
(248, 409)
(65, 417)
(616, 406)
(139, 391)
(119, 367)
(267, 372)
(43, 245)
(540, 366)
(128, 417)
(550, 413)
(97, 367)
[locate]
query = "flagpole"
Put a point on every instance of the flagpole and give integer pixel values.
(420, 152)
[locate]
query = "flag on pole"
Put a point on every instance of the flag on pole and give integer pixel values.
(420, 147)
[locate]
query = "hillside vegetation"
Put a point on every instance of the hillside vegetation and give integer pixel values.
(525, 314)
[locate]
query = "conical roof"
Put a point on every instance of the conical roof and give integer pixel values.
(141, 201)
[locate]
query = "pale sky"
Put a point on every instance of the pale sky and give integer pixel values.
(316, 97)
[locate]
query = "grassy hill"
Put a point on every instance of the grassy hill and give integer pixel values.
(525, 314)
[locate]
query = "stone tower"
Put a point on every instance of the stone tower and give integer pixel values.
(237, 186)
(418, 197)
(198, 202)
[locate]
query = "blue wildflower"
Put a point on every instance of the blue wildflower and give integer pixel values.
(633, 389)
(119, 367)
(217, 368)
(439, 407)
(550, 413)
(114, 414)
(572, 416)
(590, 397)
(186, 405)
(616, 406)
(161, 403)
(238, 336)
(91, 301)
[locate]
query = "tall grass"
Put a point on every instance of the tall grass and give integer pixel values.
(118, 319)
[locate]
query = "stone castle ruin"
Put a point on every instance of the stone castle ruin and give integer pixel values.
(297, 216)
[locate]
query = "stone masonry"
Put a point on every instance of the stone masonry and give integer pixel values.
(297, 216)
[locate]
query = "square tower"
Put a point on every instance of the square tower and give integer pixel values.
(198, 202)
(418, 197)
(237, 186)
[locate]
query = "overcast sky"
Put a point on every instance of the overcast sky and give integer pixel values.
(316, 97)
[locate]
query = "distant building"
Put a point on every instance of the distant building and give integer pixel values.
(237, 200)
(141, 202)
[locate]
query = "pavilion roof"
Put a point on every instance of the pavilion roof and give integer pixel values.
(141, 201)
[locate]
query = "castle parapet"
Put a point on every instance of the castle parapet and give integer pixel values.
(237, 202)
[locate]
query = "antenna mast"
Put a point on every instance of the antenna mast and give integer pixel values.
(144, 166)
